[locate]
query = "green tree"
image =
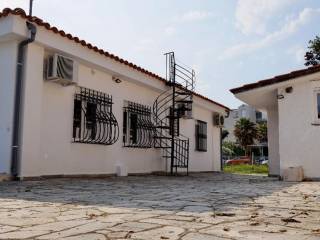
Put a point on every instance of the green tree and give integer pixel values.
(245, 132)
(227, 151)
(262, 132)
(231, 149)
(312, 57)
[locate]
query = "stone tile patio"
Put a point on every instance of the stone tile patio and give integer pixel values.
(201, 207)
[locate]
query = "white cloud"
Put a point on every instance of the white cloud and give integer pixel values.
(169, 31)
(145, 45)
(252, 16)
(288, 29)
(193, 16)
(297, 52)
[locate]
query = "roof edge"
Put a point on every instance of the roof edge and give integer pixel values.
(20, 12)
(276, 79)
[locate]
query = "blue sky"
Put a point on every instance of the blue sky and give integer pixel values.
(228, 43)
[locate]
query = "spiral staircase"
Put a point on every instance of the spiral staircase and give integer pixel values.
(169, 107)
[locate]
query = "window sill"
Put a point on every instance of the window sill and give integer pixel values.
(197, 150)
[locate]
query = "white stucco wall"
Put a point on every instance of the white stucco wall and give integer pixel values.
(299, 138)
(293, 127)
(47, 147)
(48, 112)
(8, 55)
(203, 161)
(273, 141)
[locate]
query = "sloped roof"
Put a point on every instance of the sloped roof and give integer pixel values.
(276, 79)
(20, 12)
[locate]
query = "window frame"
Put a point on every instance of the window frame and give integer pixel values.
(77, 118)
(138, 129)
(201, 136)
(93, 118)
(316, 112)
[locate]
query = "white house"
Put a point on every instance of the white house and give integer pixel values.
(292, 102)
(84, 111)
(243, 111)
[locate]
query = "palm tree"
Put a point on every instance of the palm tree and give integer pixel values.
(262, 132)
(245, 132)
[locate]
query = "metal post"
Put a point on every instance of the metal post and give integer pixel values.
(173, 107)
(221, 157)
(30, 7)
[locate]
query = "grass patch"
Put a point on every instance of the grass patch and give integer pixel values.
(247, 169)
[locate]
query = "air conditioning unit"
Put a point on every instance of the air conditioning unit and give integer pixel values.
(61, 69)
(218, 120)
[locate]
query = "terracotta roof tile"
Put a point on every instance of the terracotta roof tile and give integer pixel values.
(20, 12)
(277, 79)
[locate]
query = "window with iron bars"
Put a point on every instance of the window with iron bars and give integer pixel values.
(138, 129)
(93, 119)
(201, 136)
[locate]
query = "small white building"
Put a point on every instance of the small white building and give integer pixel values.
(243, 111)
(292, 102)
(85, 111)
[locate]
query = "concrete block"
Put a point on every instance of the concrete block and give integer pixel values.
(121, 171)
(4, 177)
(293, 174)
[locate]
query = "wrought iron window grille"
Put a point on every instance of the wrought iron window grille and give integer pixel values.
(201, 136)
(93, 120)
(138, 129)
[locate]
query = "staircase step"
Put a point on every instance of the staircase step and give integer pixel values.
(173, 117)
(162, 147)
(168, 83)
(184, 101)
(163, 137)
(184, 93)
(182, 109)
(163, 127)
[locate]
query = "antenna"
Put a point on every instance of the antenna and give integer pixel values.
(30, 8)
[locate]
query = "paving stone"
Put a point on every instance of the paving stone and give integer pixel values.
(198, 236)
(113, 210)
(178, 218)
(182, 224)
(119, 235)
(20, 222)
(104, 232)
(56, 226)
(22, 234)
(197, 208)
(200, 206)
(115, 218)
(133, 227)
(243, 230)
(90, 236)
(4, 229)
(83, 229)
(169, 233)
